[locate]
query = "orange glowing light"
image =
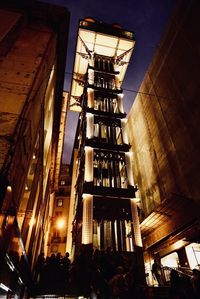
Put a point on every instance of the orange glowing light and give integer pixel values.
(60, 223)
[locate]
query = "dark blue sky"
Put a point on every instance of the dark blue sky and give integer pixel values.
(146, 18)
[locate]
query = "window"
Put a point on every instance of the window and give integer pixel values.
(118, 132)
(59, 202)
(114, 106)
(107, 131)
(103, 63)
(104, 80)
(109, 169)
(106, 104)
(62, 182)
(103, 131)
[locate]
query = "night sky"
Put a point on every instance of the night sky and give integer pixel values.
(146, 18)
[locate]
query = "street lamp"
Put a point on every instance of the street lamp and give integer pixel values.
(60, 223)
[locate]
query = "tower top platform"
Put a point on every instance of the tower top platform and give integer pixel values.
(101, 39)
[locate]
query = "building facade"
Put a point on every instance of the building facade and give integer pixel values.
(163, 127)
(33, 43)
(103, 207)
(59, 224)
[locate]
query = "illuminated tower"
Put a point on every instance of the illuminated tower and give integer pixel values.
(103, 209)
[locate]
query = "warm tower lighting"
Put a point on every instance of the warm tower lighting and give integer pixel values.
(104, 180)
(88, 164)
(87, 219)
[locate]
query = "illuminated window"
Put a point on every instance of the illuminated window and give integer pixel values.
(60, 202)
(103, 80)
(108, 131)
(193, 255)
(170, 260)
(106, 103)
(109, 169)
(114, 106)
(63, 182)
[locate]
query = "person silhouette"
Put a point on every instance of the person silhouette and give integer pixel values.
(157, 271)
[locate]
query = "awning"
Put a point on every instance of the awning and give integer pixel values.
(168, 218)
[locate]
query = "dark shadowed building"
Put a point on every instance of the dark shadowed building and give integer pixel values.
(163, 127)
(33, 43)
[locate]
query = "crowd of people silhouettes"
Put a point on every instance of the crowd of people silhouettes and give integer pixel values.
(104, 274)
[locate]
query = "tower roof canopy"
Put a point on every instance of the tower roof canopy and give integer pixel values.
(101, 39)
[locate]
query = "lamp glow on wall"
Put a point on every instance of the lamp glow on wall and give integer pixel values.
(87, 227)
(120, 104)
(136, 223)
(129, 158)
(124, 131)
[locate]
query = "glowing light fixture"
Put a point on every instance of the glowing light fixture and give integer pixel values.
(60, 223)
(10, 219)
(9, 189)
(4, 287)
(90, 125)
(88, 164)
(32, 221)
(99, 43)
(87, 219)
(10, 263)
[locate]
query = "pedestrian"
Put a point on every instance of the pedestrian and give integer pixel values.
(195, 280)
(39, 267)
(157, 271)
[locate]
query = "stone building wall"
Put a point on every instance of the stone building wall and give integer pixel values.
(163, 124)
